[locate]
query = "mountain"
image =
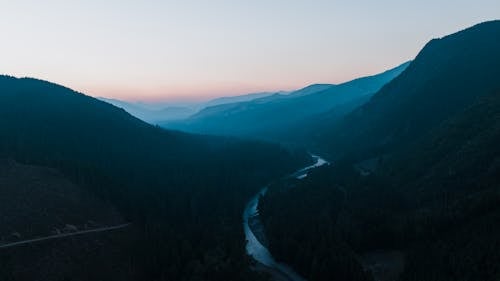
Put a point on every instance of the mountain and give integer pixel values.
(428, 206)
(451, 185)
(447, 76)
(154, 113)
(238, 98)
(311, 89)
(53, 202)
(38, 202)
(183, 193)
(150, 115)
(279, 114)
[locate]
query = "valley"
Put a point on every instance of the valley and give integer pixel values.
(225, 188)
(255, 234)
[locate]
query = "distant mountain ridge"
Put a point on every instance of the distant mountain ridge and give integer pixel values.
(154, 113)
(272, 117)
(314, 88)
(239, 98)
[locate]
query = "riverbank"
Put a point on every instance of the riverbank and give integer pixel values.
(257, 246)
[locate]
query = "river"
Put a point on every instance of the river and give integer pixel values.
(255, 248)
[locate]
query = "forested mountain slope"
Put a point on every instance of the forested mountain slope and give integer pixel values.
(433, 198)
(447, 76)
(184, 192)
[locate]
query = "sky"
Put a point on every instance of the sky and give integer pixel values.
(187, 50)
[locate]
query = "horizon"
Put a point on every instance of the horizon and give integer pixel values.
(124, 50)
(380, 162)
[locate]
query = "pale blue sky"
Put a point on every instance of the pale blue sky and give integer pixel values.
(185, 49)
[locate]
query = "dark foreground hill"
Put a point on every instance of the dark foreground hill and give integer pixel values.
(40, 202)
(428, 209)
(184, 193)
(37, 201)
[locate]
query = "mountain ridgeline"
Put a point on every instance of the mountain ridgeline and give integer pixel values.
(179, 190)
(155, 113)
(414, 193)
(448, 75)
(283, 117)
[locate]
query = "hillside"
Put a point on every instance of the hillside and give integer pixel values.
(447, 76)
(39, 202)
(237, 98)
(429, 210)
(160, 112)
(281, 115)
(181, 191)
(35, 201)
(151, 115)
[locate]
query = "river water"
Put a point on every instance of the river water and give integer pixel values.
(254, 247)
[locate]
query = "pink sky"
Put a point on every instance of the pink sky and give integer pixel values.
(192, 49)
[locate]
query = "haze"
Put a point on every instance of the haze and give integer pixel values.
(191, 50)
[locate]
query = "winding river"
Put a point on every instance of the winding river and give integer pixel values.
(256, 248)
